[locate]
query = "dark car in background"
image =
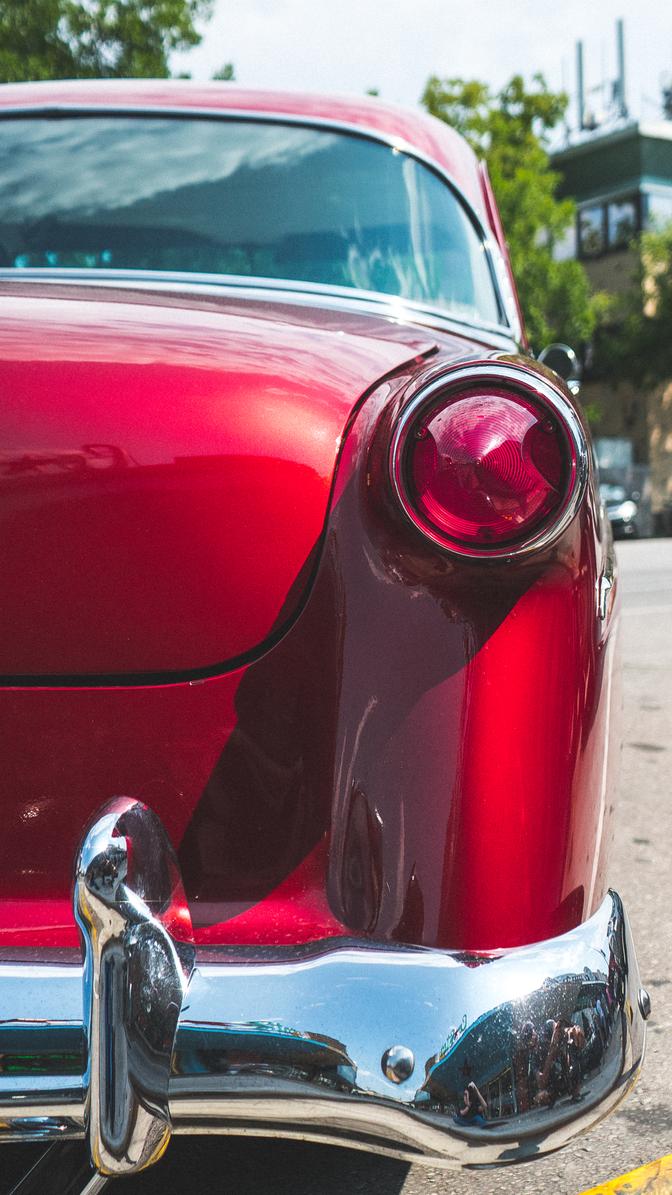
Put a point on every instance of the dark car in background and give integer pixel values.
(625, 488)
(628, 510)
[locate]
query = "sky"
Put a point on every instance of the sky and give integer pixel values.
(394, 45)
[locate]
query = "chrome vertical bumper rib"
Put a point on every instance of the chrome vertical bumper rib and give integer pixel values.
(128, 897)
(343, 1042)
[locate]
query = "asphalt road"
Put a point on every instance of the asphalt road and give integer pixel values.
(641, 871)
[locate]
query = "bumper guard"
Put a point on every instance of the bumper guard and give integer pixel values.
(349, 1043)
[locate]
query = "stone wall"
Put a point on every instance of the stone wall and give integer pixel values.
(614, 272)
(659, 420)
(622, 412)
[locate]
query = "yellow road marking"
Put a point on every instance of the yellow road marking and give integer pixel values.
(654, 1179)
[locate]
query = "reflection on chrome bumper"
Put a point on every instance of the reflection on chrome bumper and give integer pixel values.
(421, 1054)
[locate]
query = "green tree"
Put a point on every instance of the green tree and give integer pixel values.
(226, 73)
(510, 129)
(66, 39)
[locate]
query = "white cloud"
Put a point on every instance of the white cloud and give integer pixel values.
(395, 45)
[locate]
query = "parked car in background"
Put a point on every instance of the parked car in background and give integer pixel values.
(307, 654)
(625, 488)
(628, 511)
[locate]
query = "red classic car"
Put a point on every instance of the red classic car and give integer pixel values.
(309, 690)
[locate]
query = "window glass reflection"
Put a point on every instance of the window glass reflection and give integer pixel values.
(622, 223)
(591, 231)
(658, 210)
(236, 197)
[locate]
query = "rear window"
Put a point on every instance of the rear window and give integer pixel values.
(237, 197)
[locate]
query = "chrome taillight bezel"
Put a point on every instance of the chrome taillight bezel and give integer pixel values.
(520, 380)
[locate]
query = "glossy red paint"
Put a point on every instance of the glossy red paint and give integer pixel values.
(491, 769)
(455, 816)
(169, 478)
(296, 911)
(429, 136)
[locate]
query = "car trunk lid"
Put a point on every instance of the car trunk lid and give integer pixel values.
(165, 470)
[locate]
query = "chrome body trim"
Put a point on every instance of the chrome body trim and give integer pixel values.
(605, 583)
(306, 294)
(345, 1042)
(498, 271)
(524, 380)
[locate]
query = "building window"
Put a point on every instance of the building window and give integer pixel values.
(608, 225)
(592, 238)
(658, 210)
(621, 223)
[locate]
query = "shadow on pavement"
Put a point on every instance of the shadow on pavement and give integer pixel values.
(221, 1166)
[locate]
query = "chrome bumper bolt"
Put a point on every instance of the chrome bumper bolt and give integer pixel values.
(398, 1063)
(644, 1001)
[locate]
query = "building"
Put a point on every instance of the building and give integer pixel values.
(621, 181)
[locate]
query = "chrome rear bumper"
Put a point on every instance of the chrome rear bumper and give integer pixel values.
(347, 1043)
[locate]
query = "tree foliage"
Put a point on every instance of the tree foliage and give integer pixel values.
(84, 39)
(510, 129)
(226, 73)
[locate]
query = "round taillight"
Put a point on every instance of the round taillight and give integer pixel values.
(489, 461)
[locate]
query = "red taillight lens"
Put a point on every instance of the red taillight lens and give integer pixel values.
(485, 468)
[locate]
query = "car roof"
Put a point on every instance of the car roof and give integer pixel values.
(425, 134)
